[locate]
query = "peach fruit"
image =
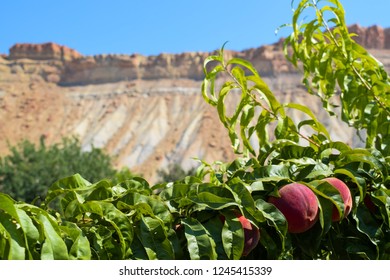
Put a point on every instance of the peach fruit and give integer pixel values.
(345, 195)
(299, 205)
(251, 234)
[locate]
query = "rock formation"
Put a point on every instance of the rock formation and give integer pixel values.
(47, 51)
(373, 37)
(147, 111)
(66, 67)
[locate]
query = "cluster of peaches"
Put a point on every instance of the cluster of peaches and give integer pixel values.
(299, 205)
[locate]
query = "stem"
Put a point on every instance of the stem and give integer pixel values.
(247, 92)
(262, 106)
(308, 139)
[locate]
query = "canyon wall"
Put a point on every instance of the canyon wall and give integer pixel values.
(146, 111)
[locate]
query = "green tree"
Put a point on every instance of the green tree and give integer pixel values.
(122, 175)
(29, 170)
(175, 172)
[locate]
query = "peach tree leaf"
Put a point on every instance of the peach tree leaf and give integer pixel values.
(200, 244)
(232, 236)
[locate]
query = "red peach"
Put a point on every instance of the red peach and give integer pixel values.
(299, 205)
(251, 234)
(345, 195)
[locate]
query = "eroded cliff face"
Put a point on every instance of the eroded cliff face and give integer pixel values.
(144, 124)
(43, 52)
(145, 111)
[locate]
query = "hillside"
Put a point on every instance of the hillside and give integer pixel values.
(147, 111)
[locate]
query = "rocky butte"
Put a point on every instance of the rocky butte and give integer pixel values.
(146, 111)
(42, 52)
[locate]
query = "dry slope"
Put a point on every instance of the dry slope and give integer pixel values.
(146, 111)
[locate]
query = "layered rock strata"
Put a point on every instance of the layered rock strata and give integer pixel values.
(146, 111)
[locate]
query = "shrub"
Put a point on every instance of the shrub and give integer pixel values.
(174, 172)
(29, 170)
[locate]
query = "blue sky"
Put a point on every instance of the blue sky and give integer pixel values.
(151, 27)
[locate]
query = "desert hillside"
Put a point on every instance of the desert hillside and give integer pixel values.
(147, 111)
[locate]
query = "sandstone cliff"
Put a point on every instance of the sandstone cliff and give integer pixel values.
(147, 111)
(43, 52)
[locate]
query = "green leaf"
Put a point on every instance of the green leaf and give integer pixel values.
(200, 244)
(243, 63)
(355, 177)
(232, 236)
(154, 238)
(314, 124)
(100, 191)
(265, 93)
(367, 225)
(310, 241)
(273, 216)
(28, 232)
(14, 248)
(214, 227)
(271, 173)
(80, 248)
(70, 187)
(244, 198)
(213, 201)
(104, 245)
(53, 247)
(329, 57)
(138, 249)
(325, 215)
(136, 184)
(173, 237)
(158, 208)
(330, 193)
(174, 192)
(214, 197)
(381, 198)
(7, 204)
(109, 213)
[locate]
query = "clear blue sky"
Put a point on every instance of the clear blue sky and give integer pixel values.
(152, 27)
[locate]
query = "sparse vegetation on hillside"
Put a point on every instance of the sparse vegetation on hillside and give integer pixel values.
(174, 172)
(29, 170)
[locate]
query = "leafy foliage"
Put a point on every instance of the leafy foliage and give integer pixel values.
(329, 57)
(129, 219)
(28, 171)
(174, 172)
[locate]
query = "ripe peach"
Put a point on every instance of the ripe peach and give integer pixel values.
(299, 205)
(345, 195)
(251, 233)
